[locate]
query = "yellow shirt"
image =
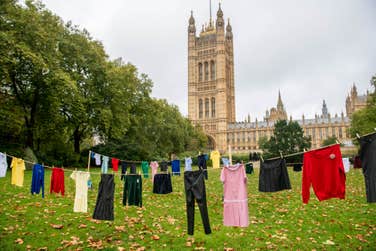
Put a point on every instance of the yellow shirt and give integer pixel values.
(215, 156)
(18, 168)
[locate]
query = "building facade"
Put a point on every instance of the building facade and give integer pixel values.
(211, 96)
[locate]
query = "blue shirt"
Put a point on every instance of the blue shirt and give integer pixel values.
(37, 181)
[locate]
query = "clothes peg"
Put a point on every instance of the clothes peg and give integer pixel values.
(357, 135)
(262, 159)
(280, 153)
(337, 141)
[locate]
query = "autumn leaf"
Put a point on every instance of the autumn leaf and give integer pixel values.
(155, 237)
(19, 241)
(56, 226)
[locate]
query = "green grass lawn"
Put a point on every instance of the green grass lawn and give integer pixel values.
(277, 220)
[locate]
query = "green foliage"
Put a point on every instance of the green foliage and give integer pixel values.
(59, 90)
(329, 141)
(288, 137)
(364, 121)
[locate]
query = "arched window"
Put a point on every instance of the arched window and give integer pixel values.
(200, 108)
(206, 69)
(212, 70)
(213, 107)
(199, 72)
(206, 107)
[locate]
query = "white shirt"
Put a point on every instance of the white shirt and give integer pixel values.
(3, 165)
(346, 164)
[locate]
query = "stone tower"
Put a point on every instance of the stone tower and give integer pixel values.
(211, 95)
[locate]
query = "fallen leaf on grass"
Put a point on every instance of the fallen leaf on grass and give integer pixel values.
(328, 242)
(120, 228)
(19, 241)
(57, 226)
(42, 249)
(361, 238)
(82, 226)
(155, 237)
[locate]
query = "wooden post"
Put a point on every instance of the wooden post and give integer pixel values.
(88, 161)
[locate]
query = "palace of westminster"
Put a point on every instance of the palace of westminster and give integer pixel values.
(211, 96)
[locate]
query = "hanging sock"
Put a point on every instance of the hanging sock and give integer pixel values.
(154, 169)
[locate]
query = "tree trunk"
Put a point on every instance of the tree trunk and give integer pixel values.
(77, 139)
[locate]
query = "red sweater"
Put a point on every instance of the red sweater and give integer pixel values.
(323, 168)
(57, 181)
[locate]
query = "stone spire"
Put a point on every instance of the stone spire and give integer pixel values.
(191, 26)
(324, 109)
(279, 103)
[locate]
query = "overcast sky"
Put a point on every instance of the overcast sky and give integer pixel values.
(309, 50)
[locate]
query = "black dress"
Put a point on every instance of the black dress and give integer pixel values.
(104, 208)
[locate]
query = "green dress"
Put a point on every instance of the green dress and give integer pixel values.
(145, 169)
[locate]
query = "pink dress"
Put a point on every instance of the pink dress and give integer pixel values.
(154, 169)
(235, 206)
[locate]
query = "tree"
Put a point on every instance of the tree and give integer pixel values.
(329, 141)
(288, 137)
(364, 121)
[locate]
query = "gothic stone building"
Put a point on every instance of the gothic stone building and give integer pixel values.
(211, 96)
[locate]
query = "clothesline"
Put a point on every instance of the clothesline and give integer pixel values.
(91, 172)
(323, 147)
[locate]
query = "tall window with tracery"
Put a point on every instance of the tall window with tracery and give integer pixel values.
(213, 107)
(212, 70)
(200, 72)
(206, 69)
(206, 107)
(200, 108)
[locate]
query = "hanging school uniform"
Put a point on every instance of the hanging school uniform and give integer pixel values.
(346, 164)
(368, 162)
(188, 164)
(154, 169)
(97, 158)
(132, 194)
(104, 166)
(273, 176)
(145, 169)
(18, 169)
(215, 157)
(202, 164)
(225, 161)
(323, 169)
(115, 164)
(235, 202)
(57, 184)
(164, 166)
(249, 168)
(124, 166)
(162, 183)
(175, 166)
(194, 184)
(37, 182)
(80, 199)
(3, 165)
(104, 207)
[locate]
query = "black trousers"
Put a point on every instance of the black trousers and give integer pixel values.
(368, 159)
(194, 184)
